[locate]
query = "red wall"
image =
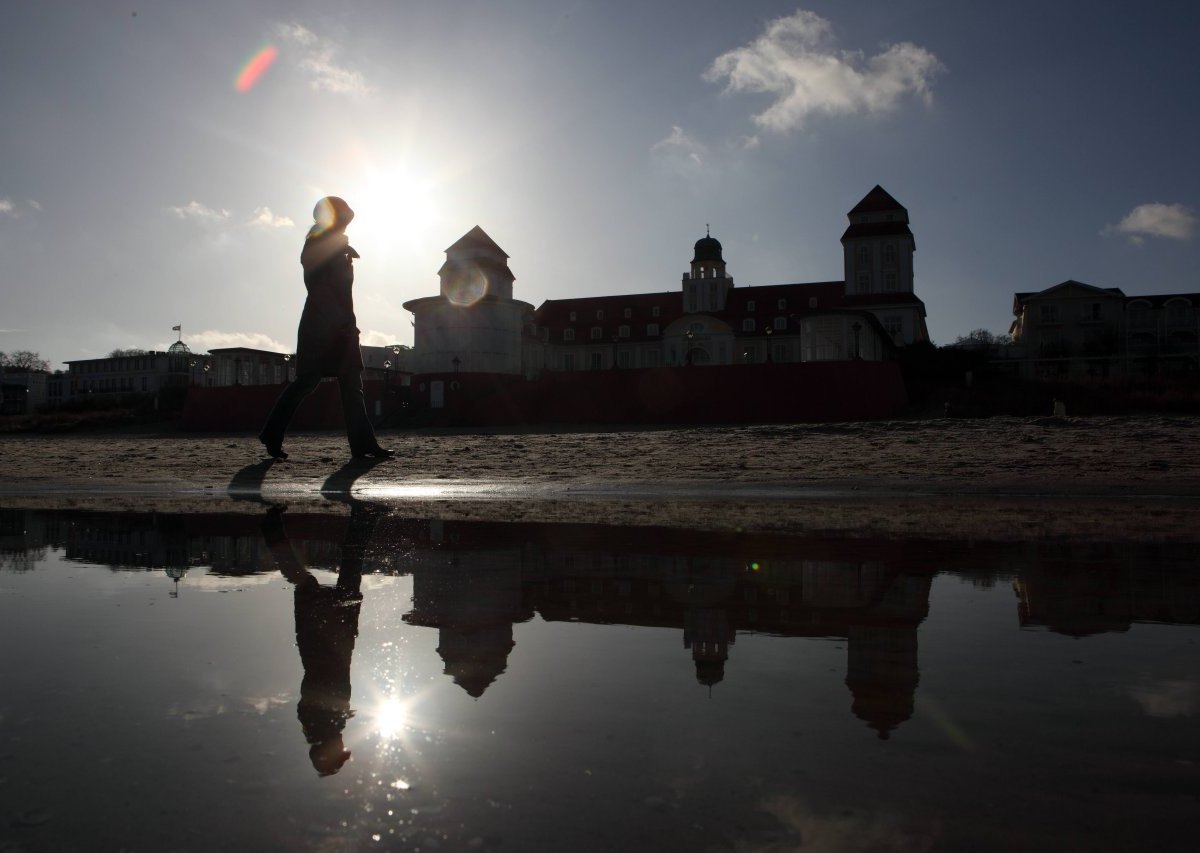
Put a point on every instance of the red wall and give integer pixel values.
(814, 391)
(242, 408)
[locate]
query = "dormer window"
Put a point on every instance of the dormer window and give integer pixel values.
(600, 314)
(781, 304)
(654, 312)
(573, 317)
(628, 313)
(750, 305)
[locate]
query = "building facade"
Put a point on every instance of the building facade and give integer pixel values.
(475, 326)
(1073, 330)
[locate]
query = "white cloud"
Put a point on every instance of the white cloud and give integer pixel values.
(194, 211)
(796, 61)
(16, 209)
(373, 338)
(316, 59)
(264, 218)
(680, 149)
(216, 339)
(1173, 221)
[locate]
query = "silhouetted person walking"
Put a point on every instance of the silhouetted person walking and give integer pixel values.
(327, 342)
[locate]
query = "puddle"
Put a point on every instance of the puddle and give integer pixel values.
(310, 680)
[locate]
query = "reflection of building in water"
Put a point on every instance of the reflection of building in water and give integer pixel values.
(25, 536)
(474, 580)
(1089, 589)
(473, 597)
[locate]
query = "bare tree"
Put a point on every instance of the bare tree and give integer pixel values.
(983, 337)
(23, 359)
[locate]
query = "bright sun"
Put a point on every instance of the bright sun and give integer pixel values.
(394, 211)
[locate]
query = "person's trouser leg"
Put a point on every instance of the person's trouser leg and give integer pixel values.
(359, 431)
(285, 407)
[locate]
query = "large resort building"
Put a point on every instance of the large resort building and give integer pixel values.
(475, 326)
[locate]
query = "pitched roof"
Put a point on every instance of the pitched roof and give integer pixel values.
(1112, 291)
(476, 237)
(858, 230)
(877, 201)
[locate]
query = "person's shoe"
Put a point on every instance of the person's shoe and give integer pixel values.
(375, 452)
(274, 448)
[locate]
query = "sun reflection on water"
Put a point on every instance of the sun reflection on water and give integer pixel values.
(391, 718)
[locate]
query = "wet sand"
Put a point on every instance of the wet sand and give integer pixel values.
(1010, 477)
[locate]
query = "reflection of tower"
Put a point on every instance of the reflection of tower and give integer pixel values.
(708, 635)
(475, 655)
(176, 574)
(473, 598)
(882, 674)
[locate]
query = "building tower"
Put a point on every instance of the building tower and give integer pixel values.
(707, 284)
(877, 252)
(473, 325)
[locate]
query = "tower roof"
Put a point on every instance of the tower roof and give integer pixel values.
(707, 248)
(877, 201)
(476, 238)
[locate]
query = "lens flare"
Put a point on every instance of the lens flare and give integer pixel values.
(255, 68)
(465, 285)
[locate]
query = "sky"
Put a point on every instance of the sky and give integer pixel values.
(159, 161)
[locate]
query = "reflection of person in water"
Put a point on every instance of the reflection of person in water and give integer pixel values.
(326, 628)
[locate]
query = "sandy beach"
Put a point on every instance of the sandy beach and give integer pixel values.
(1001, 477)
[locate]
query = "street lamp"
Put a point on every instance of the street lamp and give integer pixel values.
(769, 332)
(687, 359)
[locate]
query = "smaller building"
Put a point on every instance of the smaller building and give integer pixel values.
(1075, 330)
(242, 366)
(138, 373)
(23, 391)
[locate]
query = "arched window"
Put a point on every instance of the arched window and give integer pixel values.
(1139, 314)
(1179, 313)
(600, 314)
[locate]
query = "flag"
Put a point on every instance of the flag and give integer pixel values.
(177, 328)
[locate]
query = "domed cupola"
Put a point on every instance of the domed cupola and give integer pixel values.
(707, 261)
(708, 249)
